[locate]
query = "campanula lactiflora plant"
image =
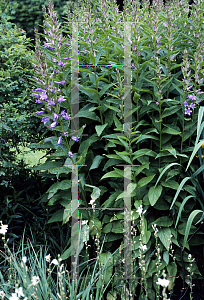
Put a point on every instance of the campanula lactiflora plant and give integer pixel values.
(166, 67)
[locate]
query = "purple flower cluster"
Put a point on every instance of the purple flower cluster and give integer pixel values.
(50, 94)
(188, 107)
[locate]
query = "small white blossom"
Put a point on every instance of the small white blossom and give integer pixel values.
(35, 280)
(19, 292)
(54, 262)
(2, 294)
(189, 256)
(144, 247)
(47, 257)
(91, 202)
(84, 222)
(24, 259)
(139, 210)
(163, 282)
(14, 297)
(3, 229)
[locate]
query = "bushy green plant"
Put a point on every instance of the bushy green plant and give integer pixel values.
(17, 124)
(34, 19)
(161, 134)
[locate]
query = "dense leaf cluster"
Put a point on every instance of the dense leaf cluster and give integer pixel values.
(18, 123)
(34, 19)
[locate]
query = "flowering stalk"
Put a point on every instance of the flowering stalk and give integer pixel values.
(50, 69)
(158, 263)
(190, 275)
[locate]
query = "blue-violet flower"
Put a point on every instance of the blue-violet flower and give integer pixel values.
(53, 124)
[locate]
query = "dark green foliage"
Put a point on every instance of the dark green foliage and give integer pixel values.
(18, 123)
(34, 19)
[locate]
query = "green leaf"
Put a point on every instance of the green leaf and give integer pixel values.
(144, 181)
(188, 225)
(166, 168)
(104, 89)
(140, 168)
(57, 216)
(94, 227)
(172, 271)
(164, 235)
(67, 213)
(170, 184)
(115, 227)
(88, 115)
(123, 143)
(88, 91)
(182, 228)
(130, 189)
(117, 122)
(110, 201)
(181, 208)
(66, 254)
(61, 170)
(100, 128)
(124, 157)
(112, 162)
(108, 264)
(166, 257)
(115, 173)
(179, 189)
(169, 111)
(143, 152)
(171, 131)
(96, 162)
(101, 77)
(145, 238)
(147, 136)
(163, 221)
(113, 108)
(62, 185)
(196, 148)
(171, 150)
(92, 57)
(154, 194)
(96, 192)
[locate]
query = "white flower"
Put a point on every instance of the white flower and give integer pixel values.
(24, 259)
(54, 261)
(47, 257)
(35, 280)
(189, 256)
(14, 297)
(163, 282)
(84, 222)
(144, 247)
(19, 292)
(91, 202)
(3, 229)
(2, 294)
(139, 210)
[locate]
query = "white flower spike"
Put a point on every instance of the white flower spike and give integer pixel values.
(139, 210)
(91, 202)
(144, 247)
(47, 257)
(14, 297)
(35, 280)
(19, 292)
(163, 282)
(3, 229)
(24, 259)
(54, 262)
(84, 222)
